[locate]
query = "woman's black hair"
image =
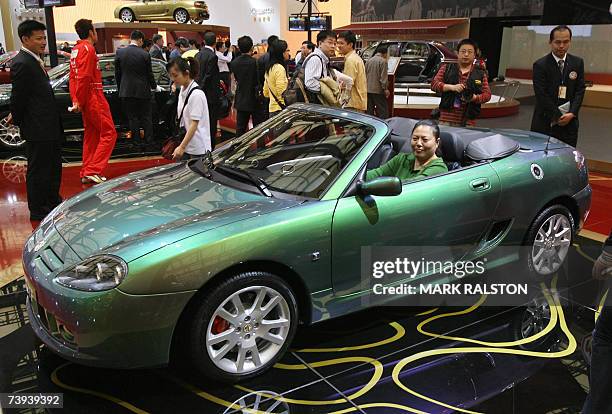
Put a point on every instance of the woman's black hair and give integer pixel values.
(276, 51)
(428, 123)
(186, 66)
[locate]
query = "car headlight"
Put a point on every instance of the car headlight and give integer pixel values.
(94, 274)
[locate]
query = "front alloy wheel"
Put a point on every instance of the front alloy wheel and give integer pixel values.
(243, 326)
(9, 134)
(248, 329)
(126, 15)
(181, 16)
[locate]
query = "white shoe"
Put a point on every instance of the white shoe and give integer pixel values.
(97, 179)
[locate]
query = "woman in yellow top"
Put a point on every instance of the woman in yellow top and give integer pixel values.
(276, 77)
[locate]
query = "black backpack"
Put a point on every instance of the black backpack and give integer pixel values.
(296, 89)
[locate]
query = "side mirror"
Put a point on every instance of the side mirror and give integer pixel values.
(382, 186)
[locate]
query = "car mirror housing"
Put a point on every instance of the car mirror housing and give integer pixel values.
(383, 186)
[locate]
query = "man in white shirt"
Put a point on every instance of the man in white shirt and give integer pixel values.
(317, 64)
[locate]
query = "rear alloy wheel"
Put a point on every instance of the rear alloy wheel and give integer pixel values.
(243, 326)
(181, 16)
(126, 15)
(530, 321)
(10, 137)
(549, 240)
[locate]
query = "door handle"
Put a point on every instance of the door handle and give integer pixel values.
(480, 184)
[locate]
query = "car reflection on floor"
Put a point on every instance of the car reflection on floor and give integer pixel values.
(392, 360)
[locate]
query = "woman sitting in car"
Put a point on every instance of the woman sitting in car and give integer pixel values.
(421, 162)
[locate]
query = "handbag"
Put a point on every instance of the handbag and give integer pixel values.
(175, 140)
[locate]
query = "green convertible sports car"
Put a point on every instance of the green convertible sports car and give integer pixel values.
(222, 257)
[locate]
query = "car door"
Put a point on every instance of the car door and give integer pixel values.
(453, 209)
(164, 107)
(71, 121)
(413, 59)
(155, 8)
(109, 86)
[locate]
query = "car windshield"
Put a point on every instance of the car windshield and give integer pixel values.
(297, 152)
(58, 72)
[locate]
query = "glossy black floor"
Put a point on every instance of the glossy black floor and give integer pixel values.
(386, 360)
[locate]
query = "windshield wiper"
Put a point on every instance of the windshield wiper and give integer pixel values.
(237, 172)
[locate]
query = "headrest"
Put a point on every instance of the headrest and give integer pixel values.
(451, 146)
(493, 147)
(401, 133)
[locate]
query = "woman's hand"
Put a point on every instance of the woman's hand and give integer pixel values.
(178, 153)
(459, 88)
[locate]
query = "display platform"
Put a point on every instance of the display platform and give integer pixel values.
(418, 100)
(394, 360)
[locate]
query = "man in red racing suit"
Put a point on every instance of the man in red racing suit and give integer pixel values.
(88, 97)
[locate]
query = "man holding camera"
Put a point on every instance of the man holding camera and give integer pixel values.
(464, 87)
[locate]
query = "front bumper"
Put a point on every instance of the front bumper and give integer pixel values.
(110, 328)
(114, 331)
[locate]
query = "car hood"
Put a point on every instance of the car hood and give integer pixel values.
(136, 214)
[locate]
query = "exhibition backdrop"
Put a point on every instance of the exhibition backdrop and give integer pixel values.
(379, 10)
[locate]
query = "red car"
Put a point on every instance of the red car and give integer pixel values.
(5, 67)
(420, 60)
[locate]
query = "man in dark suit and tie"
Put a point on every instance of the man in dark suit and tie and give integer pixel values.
(34, 110)
(247, 102)
(209, 81)
(135, 80)
(156, 51)
(558, 81)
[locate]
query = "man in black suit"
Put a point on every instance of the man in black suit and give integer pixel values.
(156, 50)
(247, 102)
(558, 78)
(135, 80)
(209, 81)
(34, 110)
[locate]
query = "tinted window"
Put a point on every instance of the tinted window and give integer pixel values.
(298, 152)
(107, 67)
(416, 50)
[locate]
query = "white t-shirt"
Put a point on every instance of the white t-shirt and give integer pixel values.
(223, 60)
(196, 110)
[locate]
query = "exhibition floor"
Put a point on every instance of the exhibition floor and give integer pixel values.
(394, 360)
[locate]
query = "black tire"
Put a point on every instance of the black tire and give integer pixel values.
(129, 15)
(206, 307)
(178, 12)
(528, 247)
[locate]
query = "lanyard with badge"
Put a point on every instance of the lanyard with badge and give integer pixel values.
(562, 87)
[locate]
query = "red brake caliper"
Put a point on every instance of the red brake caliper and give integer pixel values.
(219, 325)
